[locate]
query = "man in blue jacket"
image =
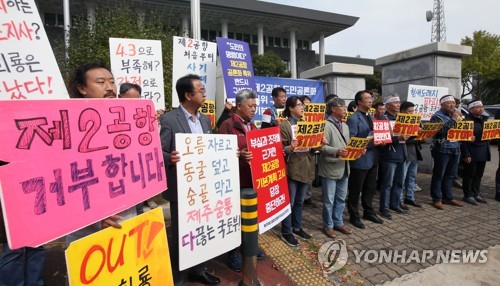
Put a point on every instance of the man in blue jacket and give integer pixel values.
(363, 169)
(446, 154)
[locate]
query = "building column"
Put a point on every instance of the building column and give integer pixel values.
(185, 26)
(321, 50)
(224, 29)
(141, 16)
(293, 54)
(260, 39)
(195, 19)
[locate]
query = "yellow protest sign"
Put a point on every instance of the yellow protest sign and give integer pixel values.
(208, 109)
(136, 254)
(310, 134)
(428, 130)
(407, 124)
(371, 111)
(491, 130)
(462, 131)
(347, 115)
(356, 147)
(314, 112)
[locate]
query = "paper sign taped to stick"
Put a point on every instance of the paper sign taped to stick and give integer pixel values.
(28, 67)
(461, 131)
(356, 148)
(80, 159)
(136, 254)
(491, 130)
(269, 176)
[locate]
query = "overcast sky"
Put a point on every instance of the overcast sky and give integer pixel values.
(388, 26)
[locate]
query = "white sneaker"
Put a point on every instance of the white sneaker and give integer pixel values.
(416, 188)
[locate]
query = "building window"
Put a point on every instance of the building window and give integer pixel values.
(285, 43)
(204, 35)
(212, 35)
(246, 38)
(54, 20)
(255, 40)
(270, 41)
(306, 45)
(287, 65)
(277, 42)
(299, 44)
(239, 36)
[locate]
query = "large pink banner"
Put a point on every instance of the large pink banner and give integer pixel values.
(74, 162)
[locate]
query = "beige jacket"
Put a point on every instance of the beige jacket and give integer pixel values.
(329, 165)
(299, 165)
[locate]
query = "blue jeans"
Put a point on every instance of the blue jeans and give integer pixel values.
(297, 191)
(443, 174)
(392, 178)
(23, 266)
(334, 193)
(411, 176)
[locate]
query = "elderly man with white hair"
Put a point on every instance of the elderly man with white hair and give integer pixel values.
(475, 154)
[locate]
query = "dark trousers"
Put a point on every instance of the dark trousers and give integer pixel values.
(362, 182)
(443, 173)
(173, 247)
(473, 173)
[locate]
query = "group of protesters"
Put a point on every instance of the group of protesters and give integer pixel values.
(394, 165)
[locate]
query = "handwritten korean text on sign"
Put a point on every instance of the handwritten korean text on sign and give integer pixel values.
(426, 99)
(192, 56)
(140, 62)
(209, 197)
(136, 254)
(28, 68)
(269, 176)
(84, 159)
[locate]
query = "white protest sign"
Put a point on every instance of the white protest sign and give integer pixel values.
(194, 57)
(208, 197)
(28, 68)
(140, 62)
(426, 99)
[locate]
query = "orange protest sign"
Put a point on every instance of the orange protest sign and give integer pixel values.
(356, 148)
(137, 253)
(429, 130)
(208, 109)
(462, 131)
(491, 130)
(407, 124)
(310, 134)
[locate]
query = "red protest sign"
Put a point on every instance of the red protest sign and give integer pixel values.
(382, 131)
(269, 176)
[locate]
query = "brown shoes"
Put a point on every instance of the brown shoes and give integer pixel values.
(453, 203)
(438, 205)
(343, 229)
(329, 232)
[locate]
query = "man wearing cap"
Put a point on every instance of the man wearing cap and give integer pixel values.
(475, 154)
(392, 166)
(446, 154)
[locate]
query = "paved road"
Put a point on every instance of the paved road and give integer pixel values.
(466, 228)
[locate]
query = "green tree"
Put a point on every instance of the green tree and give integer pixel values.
(90, 42)
(481, 71)
(269, 64)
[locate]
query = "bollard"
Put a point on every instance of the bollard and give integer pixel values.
(249, 237)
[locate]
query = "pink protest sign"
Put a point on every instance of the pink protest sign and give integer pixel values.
(74, 162)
